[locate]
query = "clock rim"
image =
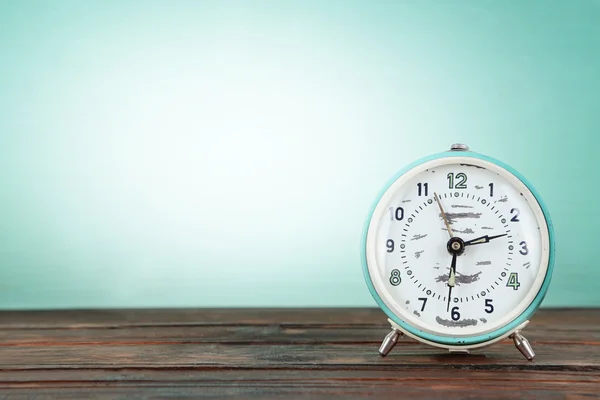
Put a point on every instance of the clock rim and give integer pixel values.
(487, 336)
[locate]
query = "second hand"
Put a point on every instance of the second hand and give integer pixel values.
(444, 217)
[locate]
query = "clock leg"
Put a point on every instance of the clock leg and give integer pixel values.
(389, 342)
(522, 344)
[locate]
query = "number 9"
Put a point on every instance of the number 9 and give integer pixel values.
(390, 245)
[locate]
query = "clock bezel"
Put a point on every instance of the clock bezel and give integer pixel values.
(534, 300)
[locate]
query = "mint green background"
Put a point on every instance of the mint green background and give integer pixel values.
(187, 153)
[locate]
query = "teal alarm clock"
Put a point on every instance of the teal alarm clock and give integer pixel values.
(458, 251)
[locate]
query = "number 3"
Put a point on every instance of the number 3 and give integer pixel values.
(524, 250)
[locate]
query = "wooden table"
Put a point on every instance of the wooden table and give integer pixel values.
(293, 353)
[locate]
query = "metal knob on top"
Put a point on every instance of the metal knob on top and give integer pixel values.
(459, 147)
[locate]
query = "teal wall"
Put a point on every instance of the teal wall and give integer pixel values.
(188, 153)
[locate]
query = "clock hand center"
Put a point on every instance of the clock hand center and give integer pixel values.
(455, 246)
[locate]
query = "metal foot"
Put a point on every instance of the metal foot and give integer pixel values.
(389, 342)
(523, 345)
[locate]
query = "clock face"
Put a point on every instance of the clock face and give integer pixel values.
(501, 247)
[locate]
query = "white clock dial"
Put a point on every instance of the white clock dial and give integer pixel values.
(505, 256)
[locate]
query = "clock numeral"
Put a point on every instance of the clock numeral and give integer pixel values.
(491, 185)
(489, 307)
(424, 300)
(461, 179)
(515, 218)
(390, 245)
(513, 281)
(397, 214)
(423, 189)
(455, 314)
(524, 250)
(395, 277)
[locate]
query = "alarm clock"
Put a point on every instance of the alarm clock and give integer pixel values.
(458, 251)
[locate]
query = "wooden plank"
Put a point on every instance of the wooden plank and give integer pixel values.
(305, 392)
(567, 357)
(577, 318)
(267, 334)
(360, 381)
(243, 376)
(443, 385)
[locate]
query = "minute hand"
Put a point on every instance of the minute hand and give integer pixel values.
(483, 239)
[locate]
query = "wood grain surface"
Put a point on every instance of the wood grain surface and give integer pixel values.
(281, 353)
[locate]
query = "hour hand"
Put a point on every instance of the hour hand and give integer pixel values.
(483, 239)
